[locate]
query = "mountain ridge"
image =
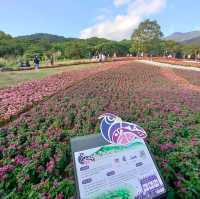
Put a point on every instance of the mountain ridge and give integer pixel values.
(40, 36)
(194, 41)
(182, 37)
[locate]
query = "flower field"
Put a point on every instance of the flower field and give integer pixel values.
(17, 99)
(35, 158)
(191, 76)
(177, 61)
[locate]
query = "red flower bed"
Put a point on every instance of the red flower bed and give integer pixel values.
(15, 100)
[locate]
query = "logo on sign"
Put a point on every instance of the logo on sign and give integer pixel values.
(85, 160)
(116, 131)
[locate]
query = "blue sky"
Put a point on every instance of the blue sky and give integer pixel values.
(114, 19)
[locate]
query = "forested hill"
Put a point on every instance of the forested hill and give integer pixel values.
(15, 50)
(40, 36)
(45, 45)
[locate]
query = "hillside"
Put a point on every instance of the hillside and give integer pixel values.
(182, 37)
(44, 45)
(194, 41)
(41, 36)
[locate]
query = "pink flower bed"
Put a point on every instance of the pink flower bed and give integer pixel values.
(15, 100)
(35, 156)
(174, 61)
(181, 81)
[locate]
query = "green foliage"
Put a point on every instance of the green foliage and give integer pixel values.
(112, 47)
(146, 36)
(45, 46)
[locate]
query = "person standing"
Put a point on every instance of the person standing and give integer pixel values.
(37, 62)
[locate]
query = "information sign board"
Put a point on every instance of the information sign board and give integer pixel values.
(110, 171)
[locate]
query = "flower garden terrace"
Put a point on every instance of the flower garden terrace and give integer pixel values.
(35, 159)
(17, 99)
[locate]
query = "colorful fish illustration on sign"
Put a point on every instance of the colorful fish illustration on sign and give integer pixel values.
(116, 131)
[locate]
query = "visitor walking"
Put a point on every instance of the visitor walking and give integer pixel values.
(37, 62)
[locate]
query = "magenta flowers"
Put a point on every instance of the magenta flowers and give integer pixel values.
(35, 157)
(17, 99)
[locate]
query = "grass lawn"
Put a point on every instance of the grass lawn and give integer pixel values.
(13, 78)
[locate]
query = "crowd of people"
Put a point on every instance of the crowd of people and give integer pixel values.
(100, 57)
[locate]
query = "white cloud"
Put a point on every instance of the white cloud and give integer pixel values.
(123, 25)
(121, 2)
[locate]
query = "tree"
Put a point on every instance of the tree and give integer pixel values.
(146, 36)
(172, 48)
(4, 36)
(112, 47)
(32, 51)
(191, 51)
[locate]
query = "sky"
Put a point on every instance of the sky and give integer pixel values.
(112, 19)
